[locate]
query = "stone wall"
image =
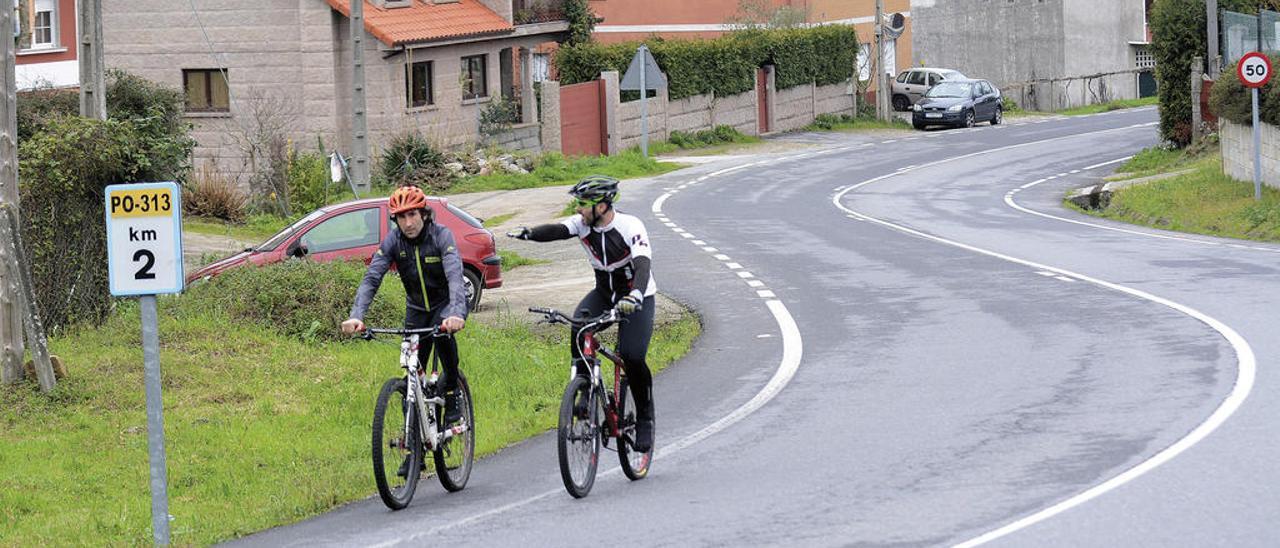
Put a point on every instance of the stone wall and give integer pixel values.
(1237, 151)
(526, 137)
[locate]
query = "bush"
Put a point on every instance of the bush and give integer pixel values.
(1178, 35)
(213, 194)
(298, 298)
(309, 181)
(726, 65)
(61, 192)
(411, 160)
(498, 116)
(37, 107)
(706, 137)
(1231, 100)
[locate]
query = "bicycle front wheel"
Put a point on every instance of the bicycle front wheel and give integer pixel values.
(453, 457)
(579, 436)
(397, 447)
(634, 464)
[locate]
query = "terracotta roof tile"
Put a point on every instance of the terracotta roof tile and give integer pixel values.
(425, 21)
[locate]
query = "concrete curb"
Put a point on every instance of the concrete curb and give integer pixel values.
(1099, 196)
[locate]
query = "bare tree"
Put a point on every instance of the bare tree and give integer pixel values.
(262, 137)
(760, 14)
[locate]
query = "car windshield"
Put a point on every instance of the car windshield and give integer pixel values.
(950, 89)
(280, 237)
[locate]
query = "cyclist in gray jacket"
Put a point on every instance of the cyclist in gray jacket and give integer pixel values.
(427, 259)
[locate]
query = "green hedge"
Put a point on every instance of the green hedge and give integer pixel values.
(1231, 100)
(1178, 35)
(726, 65)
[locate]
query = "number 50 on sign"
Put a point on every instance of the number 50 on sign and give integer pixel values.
(144, 238)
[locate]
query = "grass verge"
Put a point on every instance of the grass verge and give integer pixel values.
(556, 170)
(255, 229)
(827, 122)
(1203, 201)
(511, 260)
(261, 432)
(1110, 106)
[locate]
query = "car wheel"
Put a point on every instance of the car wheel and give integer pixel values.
(901, 103)
(968, 119)
(998, 117)
(471, 282)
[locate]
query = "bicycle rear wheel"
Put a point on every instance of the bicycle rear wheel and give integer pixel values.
(634, 464)
(397, 448)
(453, 457)
(579, 436)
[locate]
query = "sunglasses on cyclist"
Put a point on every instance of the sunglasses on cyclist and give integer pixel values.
(579, 203)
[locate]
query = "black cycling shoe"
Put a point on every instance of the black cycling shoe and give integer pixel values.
(644, 436)
(452, 409)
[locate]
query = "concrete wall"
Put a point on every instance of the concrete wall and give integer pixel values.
(690, 113)
(737, 111)
(630, 122)
(1012, 42)
(794, 108)
(527, 137)
(550, 113)
(1237, 152)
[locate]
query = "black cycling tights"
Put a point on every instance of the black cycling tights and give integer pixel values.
(446, 347)
(633, 343)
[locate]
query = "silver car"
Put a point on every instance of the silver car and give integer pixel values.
(911, 84)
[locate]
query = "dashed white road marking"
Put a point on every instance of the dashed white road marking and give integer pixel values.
(721, 257)
(766, 294)
(733, 266)
(745, 274)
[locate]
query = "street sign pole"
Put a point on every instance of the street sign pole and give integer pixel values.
(1257, 150)
(155, 421)
(144, 258)
(644, 109)
(1254, 71)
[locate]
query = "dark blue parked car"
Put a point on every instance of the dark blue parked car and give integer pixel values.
(958, 103)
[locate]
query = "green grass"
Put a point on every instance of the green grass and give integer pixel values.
(1156, 160)
(511, 260)
(259, 433)
(1110, 106)
(1204, 201)
(556, 170)
(255, 229)
(858, 124)
(497, 220)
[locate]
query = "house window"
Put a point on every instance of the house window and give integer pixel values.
(864, 62)
(475, 82)
(418, 80)
(44, 33)
(541, 67)
(206, 90)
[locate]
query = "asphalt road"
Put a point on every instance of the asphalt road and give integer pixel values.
(908, 341)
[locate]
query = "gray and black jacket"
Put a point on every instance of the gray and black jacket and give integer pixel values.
(440, 293)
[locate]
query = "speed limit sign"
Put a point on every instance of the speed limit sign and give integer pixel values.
(144, 238)
(1254, 70)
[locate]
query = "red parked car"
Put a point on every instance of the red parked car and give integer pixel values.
(354, 229)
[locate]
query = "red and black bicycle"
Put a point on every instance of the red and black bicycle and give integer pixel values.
(590, 414)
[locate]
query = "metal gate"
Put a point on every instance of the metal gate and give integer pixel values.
(762, 96)
(582, 131)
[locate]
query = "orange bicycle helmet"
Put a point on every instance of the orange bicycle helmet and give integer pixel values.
(407, 198)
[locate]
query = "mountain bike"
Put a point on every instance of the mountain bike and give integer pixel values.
(408, 422)
(590, 414)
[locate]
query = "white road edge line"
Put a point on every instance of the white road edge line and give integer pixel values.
(792, 350)
(1246, 369)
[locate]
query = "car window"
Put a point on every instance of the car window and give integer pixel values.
(902, 76)
(951, 75)
(988, 88)
(352, 229)
(280, 237)
(934, 79)
(950, 89)
(916, 78)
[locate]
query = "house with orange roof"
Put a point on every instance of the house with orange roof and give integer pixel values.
(46, 44)
(255, 68)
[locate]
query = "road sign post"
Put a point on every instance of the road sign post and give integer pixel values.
(144, 258)
(643, 74)
(1254, 71)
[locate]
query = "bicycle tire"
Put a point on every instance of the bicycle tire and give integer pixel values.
(579, 438)
(392, 446)
(634, 465)
(453, 458)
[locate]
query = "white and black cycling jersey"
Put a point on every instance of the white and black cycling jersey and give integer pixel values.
(611, 250)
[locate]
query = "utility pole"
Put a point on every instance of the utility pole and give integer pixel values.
(11, 343)
(359, 125)
(882, 95)
(93, 86)
(1215, 60)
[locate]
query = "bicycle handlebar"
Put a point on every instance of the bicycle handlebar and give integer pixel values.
(369, 332)
(555, 316)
